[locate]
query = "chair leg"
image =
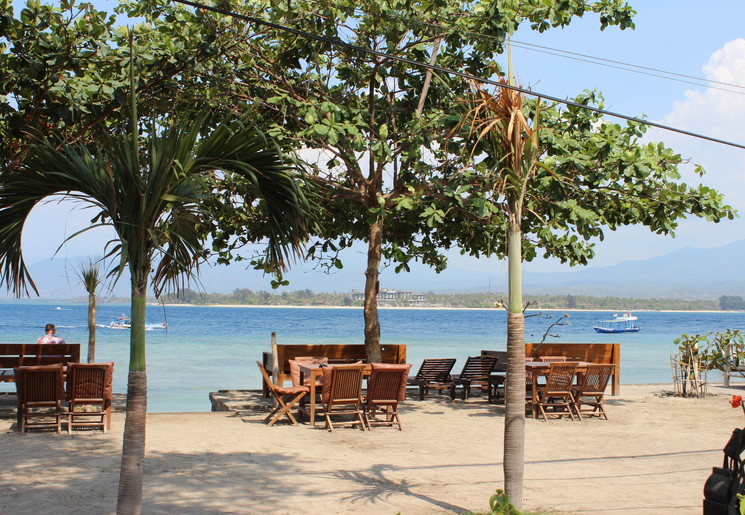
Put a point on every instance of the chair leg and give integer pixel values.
(283, 408)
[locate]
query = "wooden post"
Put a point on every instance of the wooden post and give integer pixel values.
(275, 363)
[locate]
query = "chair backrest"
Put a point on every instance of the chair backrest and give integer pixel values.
(90, 381)
(560, 376)
(478, 368)
(387, 382)
(596, 379)
(501, 364)
(436, 370)
(267, 379)
(42, 383)
(342, 384)
(552, 359)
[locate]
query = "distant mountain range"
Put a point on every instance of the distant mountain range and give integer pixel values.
(690, 273)
(686, 273)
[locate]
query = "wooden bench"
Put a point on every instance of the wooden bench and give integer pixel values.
(602, 353)
(26, 354)
(343, 353)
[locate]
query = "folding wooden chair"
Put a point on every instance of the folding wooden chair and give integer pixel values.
(557, 393)
(286, 398)
(41, 391)
(591, 391)
(433, 374)
(342, 394)
(386, 387)
(89, 395)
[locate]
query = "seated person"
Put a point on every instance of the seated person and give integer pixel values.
(50, 337)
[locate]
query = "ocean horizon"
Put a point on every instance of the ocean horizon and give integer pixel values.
(211, 348)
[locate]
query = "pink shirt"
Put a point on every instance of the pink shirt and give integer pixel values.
(50, 338)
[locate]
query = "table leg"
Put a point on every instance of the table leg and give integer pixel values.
(312, 401)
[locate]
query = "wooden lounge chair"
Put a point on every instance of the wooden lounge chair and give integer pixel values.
(41, 391)
(476, 373)
(433, 374)
(591, 391)
(286, 398)
(342, 394)
(89, 395)
(386, 387)
(498, 375)
(557, 393)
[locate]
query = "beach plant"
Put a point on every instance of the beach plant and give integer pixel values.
(500, 504)
(697, 354)
(151, 190)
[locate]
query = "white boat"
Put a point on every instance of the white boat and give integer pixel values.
(626, 323)
(120, 322)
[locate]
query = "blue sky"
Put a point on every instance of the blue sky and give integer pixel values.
(685, 37)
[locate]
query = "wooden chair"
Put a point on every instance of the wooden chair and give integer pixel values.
(41, 391)
(286, 398)
(386, 387)
(476, 373)
(557, 393)
(89, 395)
(342, 394)
(433, 374)
(591, 391)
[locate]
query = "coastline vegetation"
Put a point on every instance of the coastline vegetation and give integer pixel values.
(477, 300)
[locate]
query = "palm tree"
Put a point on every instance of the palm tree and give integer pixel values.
(90, 275)
(151, 191)
(508, 143)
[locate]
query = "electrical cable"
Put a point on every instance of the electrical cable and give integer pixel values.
(456, 73)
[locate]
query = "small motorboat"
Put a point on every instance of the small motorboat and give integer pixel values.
(626, 323)
(120, 322)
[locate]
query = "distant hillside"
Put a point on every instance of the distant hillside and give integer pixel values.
(689, 273)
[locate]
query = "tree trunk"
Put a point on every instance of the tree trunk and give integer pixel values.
(133, 446)
(92, 327)
(514, 420)
(372, 323)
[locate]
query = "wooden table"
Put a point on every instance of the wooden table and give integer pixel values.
(541, 368)
(314, 371)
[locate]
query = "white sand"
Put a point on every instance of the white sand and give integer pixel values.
(652, 457)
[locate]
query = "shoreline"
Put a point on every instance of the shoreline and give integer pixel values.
(446, 308)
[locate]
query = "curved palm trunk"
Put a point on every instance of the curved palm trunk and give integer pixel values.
(133, 446)
(92, 327)
(514, 420)
(372, 322)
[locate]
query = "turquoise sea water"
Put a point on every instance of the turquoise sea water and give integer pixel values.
(215, 348)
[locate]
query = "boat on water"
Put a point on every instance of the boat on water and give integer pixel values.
(120, 322)
(124, 322)
(626, 323)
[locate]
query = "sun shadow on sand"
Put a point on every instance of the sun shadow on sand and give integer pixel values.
(374, 485)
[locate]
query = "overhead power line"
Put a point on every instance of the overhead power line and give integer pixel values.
(456, 73)
(654, 72)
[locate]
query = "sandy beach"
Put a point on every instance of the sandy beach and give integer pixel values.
(653, 456)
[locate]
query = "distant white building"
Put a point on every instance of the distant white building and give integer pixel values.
(389, 294)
